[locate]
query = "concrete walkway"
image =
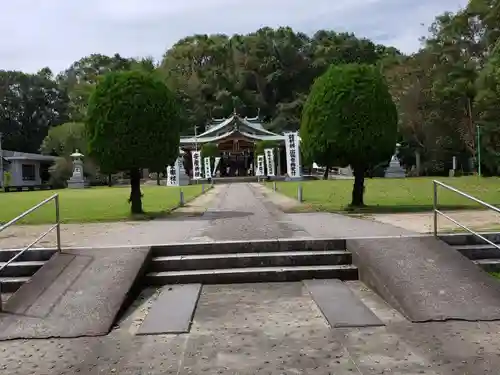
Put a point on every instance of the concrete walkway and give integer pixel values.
(244, 211)
(241, 212)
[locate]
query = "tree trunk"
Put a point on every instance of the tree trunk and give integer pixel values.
(325, 175)
(135, 192)
(417, 162)
(110, 180)
(158, 179)
(358, 189)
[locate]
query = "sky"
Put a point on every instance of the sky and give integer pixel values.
(55, 33)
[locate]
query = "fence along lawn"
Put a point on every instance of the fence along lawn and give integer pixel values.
(93, 205)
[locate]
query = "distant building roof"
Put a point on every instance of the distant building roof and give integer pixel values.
(252, 124)
(16, 155)
(220, 129)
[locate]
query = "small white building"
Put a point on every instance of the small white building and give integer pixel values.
(26, 169)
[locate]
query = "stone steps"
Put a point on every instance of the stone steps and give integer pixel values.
(489, 265)
(484, 255)
(10, 285)
(255, 261)
(243, 260)
(17, 269)
(477, 252)
(22, 269)
(253, 275)
(36, 254)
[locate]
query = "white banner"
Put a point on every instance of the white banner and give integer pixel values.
(260, 166)
(196, 165)
(269, 152)
(216, 165)
(208, 172)
(292, 154)
(173, 173)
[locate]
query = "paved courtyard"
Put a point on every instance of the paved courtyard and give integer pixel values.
(267, 328)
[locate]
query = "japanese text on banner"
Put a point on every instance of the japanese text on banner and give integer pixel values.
(269, 153)
(173, 173)
(260, 165)
(208, 172)
(196, 165)
(292, 154)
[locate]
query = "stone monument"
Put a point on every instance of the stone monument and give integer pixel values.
(395, 170)
(77, 181)
(183, 176)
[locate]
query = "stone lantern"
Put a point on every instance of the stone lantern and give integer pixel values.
(77, 180)
(395, 170)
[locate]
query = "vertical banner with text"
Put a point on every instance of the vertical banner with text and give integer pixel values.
(260, 166)
(216, 165)
(173, 173)
(196, 165)
(208, 172)
(292, 154)
(269, 153)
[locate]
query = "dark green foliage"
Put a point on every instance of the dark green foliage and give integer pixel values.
(132, 123)
(209, 150)
(350, 117)
(262, 145)
(488, 108)
(350, 112)
(29, 105)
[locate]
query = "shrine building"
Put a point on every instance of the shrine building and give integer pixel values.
(235, 138)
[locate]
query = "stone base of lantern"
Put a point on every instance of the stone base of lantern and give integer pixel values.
(76, 184)
(183, 178)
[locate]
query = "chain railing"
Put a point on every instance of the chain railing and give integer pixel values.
(437, 212)
(56, 226)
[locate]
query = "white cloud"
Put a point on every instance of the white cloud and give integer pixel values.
(55, 33)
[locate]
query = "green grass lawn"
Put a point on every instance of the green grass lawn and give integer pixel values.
(94, 204)
(394, 195)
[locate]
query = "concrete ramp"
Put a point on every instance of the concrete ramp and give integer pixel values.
(340, 307)
(173, 311)
(426, 279)
(76, 293)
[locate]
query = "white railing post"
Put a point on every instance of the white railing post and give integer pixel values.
(435, 206)
(58, 222)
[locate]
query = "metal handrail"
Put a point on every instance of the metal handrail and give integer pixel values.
(56, 226)
(437, 212)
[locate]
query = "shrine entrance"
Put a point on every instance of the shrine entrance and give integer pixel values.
(237, 156)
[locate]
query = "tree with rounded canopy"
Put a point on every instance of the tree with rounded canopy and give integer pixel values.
(350, 113)
(132, 123)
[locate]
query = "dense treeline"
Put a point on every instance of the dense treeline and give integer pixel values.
(443, 92)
